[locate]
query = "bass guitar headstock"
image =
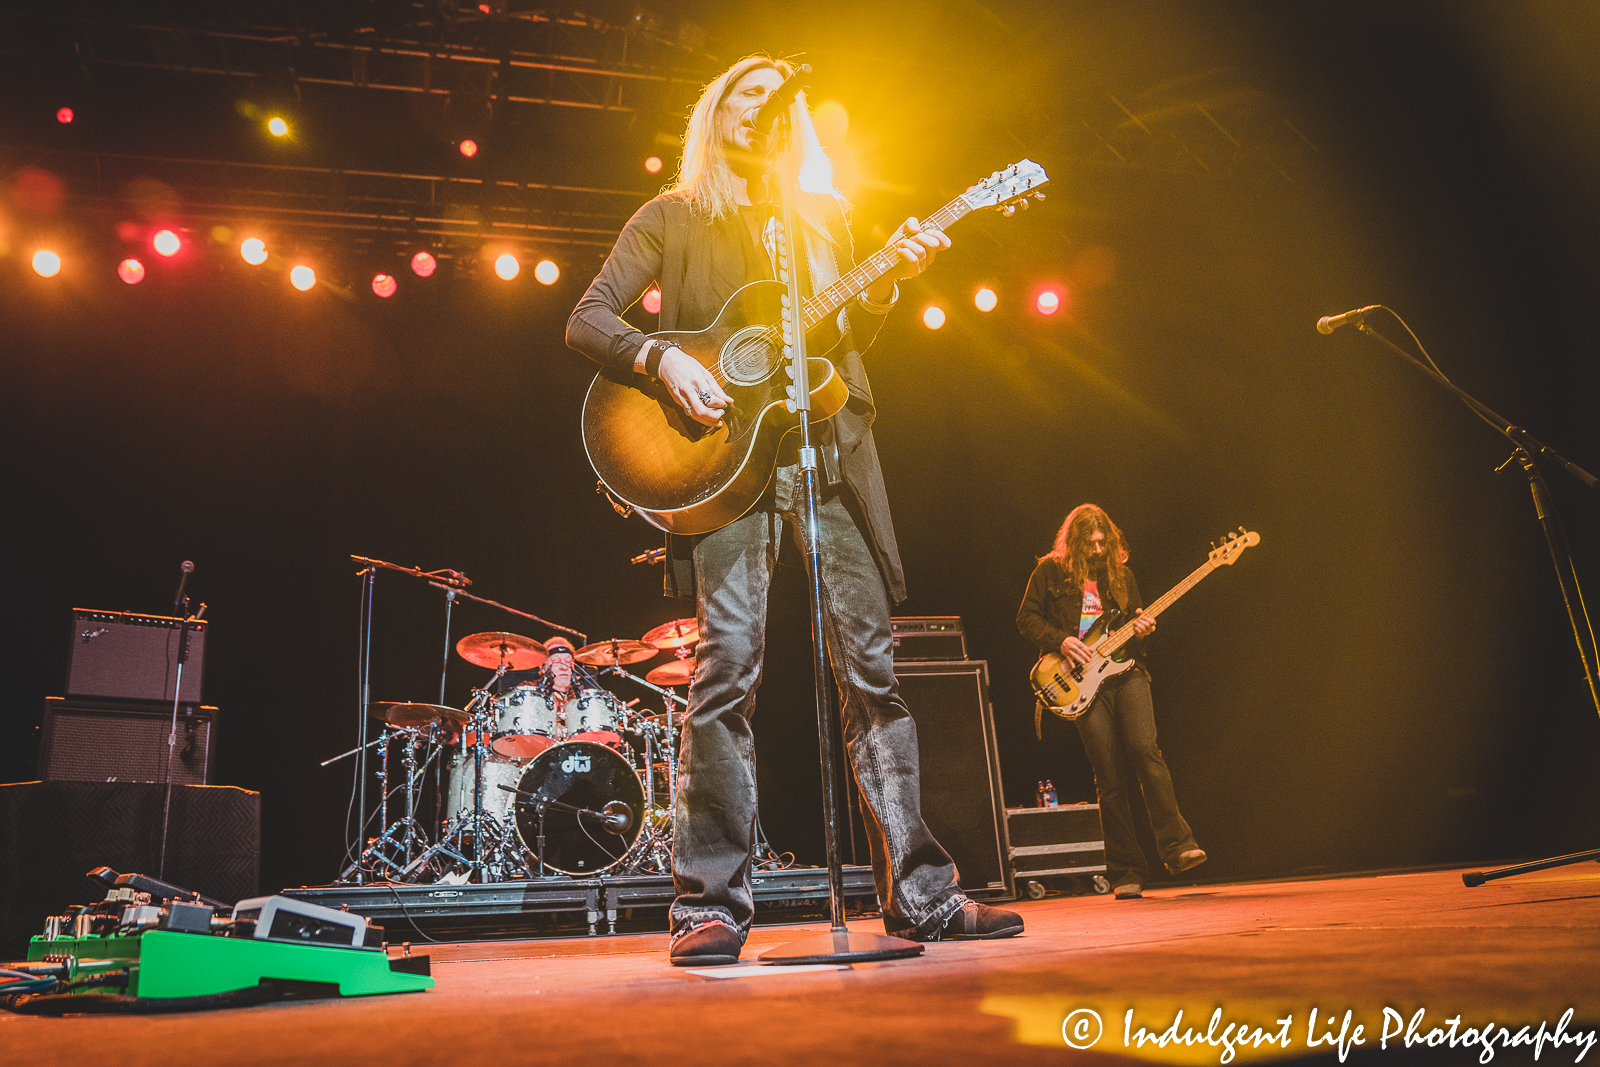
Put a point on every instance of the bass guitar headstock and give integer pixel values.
(1008, 189)
(1232, 545)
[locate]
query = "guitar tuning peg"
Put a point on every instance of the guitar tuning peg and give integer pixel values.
(1024, 203)
(1008, 210)
(1038, 196)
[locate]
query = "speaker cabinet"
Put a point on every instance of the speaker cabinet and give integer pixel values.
(121, 656)
(963, 801)
(85, 741)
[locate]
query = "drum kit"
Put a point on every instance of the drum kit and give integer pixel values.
(545, 771)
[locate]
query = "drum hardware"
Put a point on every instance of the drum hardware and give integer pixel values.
(393, 848)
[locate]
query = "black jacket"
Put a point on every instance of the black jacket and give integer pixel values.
(1053, 606)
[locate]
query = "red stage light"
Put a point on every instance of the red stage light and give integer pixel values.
(547, 272)
(468, 147)
(64, 115)
(652, 301)
(46, 263)
(1049, 302)
(653, 164)
(423, 264)
(166, 242)
(131, 271)
(384, 285)
(933, 318)
(302, 278)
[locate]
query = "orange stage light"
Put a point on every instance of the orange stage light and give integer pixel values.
(468, 147)
(547, 272)
(46, 263)
(385, 285)
(985, 300)
(653, 164)
(131, 271)
(507, 267)
(933, 318)
(302, 278)
(254, 251)
(652, 301)
(423, 264)
(166, 242)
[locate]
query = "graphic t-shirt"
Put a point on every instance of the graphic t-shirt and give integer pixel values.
(1091, 606)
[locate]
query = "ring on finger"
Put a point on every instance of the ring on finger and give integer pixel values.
(704, 395)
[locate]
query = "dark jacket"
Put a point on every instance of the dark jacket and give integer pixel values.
(699, 264)
(1053, 606)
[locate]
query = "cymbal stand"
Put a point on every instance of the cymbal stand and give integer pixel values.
(403, 834)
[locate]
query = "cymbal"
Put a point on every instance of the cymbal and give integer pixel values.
(678, 672)
(406, 715)
(488, 649)
(674, 634)
(602, 654)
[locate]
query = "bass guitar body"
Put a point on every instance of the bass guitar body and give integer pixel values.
(686, 478)
(1067, 688)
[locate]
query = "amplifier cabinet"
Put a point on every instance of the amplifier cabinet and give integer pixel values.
(117, 655)
(1060, 840)
(928, 637)
(963, 801)
(88, 741)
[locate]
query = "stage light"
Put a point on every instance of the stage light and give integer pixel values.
(384, 285)
(254, 251)
(423, 264)
(277, 127)
(652, 301)
(507, 267)
(64, 116)
(468, 147)
(166, 242)
(131, 271)
(653, 164)
(985, 300)
(547, 272)
(302, 278)
(933, 318)
(46, 263)
(1049, 302)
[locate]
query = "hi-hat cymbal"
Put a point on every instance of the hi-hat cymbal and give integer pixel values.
(492, 648)
(678, 672)
(674, 634)
(611, 653)
(406, 715)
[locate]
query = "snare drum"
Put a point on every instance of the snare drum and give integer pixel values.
(594, 715)
(525, 722)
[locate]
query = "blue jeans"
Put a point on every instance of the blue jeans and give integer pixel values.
(715, 820)
(1121, 723)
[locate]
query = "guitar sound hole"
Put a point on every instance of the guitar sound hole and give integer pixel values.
(748, 358)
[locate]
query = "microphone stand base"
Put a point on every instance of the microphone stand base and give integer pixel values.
(843, 946)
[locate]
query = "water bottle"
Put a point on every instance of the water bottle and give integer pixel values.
(1038, 796)
(1048, 798)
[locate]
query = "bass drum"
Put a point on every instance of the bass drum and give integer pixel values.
(583, 775)
(496, 772)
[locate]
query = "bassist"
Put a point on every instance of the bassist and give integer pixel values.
(1084, 578)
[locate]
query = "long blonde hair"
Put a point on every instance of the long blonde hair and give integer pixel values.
(704, 177)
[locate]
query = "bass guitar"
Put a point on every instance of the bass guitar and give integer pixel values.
(687, 478)
(1067, 688)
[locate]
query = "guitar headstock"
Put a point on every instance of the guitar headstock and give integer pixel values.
(1009, 188)
(1232, 545)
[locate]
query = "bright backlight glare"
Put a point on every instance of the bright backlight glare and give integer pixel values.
(985, 300)
(46, 263)
(933, 318)
(423, 264)
(254, 251)
(547, 272)
(653, 164)
(302, 278)
(507, 267)
(277, 127)
(131, 271)
(384, 285)
(652, 301)
(64, 115)
(468, 147)
(1049, 302)
(166, 242)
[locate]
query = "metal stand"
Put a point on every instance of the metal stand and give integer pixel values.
(1525, 445)
(838, 945)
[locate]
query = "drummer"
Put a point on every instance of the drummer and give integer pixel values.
(555, 674)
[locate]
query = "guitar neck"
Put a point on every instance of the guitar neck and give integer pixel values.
(1124, 633)
(875, 266)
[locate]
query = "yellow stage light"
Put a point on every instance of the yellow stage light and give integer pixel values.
(46, 263)
(277, 127)
(254, 251)
(507, 267)
(985, 300)
(302, 278)
(547, 272)
(933, 318)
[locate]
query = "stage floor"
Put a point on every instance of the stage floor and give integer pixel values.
(1516, 952)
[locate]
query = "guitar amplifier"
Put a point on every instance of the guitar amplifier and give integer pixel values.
(121, 656)
(87, 741)
(928, 637)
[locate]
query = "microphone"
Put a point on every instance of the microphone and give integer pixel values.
(655, 555)
(188, 569)
(616, 817)
(780, 100)
(1329, 323)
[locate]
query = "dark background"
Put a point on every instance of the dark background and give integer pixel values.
(1387, 680)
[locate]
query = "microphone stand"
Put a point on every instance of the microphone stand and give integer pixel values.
(839, 944)
(172, 735)
(1524, 447)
